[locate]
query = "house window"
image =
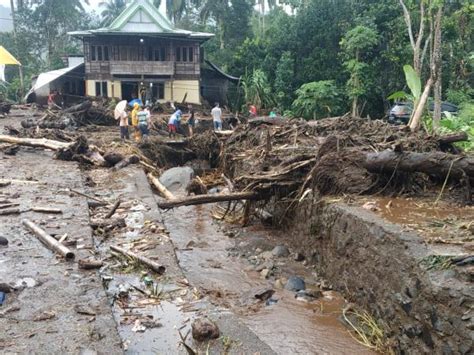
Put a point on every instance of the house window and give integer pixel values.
(185, 54)
(190, 54)
(178, 54)
(99, 53)
(93, 57)
(159, 91)
(101, 88)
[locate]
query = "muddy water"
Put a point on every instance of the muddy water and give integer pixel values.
(290, 325)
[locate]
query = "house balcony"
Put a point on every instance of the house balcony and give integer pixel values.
(141, 68)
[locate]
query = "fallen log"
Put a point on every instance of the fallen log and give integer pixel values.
(161, 188)
(434, 163)
(203, 199)
(89, 196)
(48, 240)
(82, 107)
(35, 142)
(452, 138)
(132, 159)
(46, 210)
(9, 211)
(160, 269)
(89, 264)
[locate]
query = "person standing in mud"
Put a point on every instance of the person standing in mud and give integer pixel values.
(216, 114)
(143, 123)
(173, 123)
(136, 130)
(191, 120)
(124, 134)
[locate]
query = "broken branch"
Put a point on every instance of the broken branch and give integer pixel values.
(160, 269)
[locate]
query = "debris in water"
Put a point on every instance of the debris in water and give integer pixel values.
(138, 327)
(265, 294)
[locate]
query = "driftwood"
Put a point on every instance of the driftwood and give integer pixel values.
(132, 159)
(89, 264)
(452, 138)
(161, 188)
(46, 210)
(48, 240)
(9, 211)
(203, 199)
(88, 196)
(160, 269)
(35, 142)
(8, 205)
(113, 209)
(434, 163)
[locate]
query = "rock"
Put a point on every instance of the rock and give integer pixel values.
(314, 292)
(303, 296)
(266, 265)
(279, 284)
(325, 286)
(3, 241)
(280, 251)
(295, 283)
(299, 257)
(264, 294)
(177, 178)
(265, 273)
(266, 255)
(113, 158)
(258, 251)
(5, 288)
(204, 329)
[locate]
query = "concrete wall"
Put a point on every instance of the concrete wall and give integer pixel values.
(174, 90)
(376, 264)
(90, 88)
(177, 89)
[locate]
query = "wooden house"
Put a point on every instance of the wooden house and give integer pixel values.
(141, 55)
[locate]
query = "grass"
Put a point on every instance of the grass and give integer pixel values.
(367, 331)
(437, 262)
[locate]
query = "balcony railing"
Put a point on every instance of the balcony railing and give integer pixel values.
(139, 68)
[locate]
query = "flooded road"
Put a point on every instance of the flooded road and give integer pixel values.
(211, 261)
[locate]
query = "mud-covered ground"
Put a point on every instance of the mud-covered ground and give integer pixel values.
(211, 271)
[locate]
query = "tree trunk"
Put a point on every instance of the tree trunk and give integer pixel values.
(36, 142)
(418, 112)
(203, 199)
(437, 69)
(434, 163)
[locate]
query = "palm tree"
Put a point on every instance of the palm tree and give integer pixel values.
(112, 9)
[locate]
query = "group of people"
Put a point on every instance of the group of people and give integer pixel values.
(140, 122)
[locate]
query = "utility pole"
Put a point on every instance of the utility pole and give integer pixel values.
(20, 67)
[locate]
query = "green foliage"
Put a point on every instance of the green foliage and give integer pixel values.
(413, 81)
(460, 96)
(316, 99)
(111, 10)
(464, 122)
(284, 76)
(257, 90)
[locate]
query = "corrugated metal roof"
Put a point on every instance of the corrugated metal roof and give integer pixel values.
(141, 17)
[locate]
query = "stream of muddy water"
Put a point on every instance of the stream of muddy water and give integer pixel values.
(219, 266)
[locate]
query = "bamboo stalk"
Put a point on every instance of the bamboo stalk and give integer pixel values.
(160, 269)
(48, 240)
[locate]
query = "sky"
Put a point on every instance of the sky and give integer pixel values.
(93, 4)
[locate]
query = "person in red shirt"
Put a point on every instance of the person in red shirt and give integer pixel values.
(252, 110)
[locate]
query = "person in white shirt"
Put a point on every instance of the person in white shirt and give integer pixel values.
(216, 113)
(124, 126)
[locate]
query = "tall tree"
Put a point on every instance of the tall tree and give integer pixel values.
(111, 9)
(355, 44)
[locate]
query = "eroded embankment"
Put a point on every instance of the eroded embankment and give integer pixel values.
(379, 266)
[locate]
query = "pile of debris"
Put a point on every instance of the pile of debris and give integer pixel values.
(341, 155)
(5, 107)
(87, 112)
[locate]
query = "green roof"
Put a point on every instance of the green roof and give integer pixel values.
(141, 17)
